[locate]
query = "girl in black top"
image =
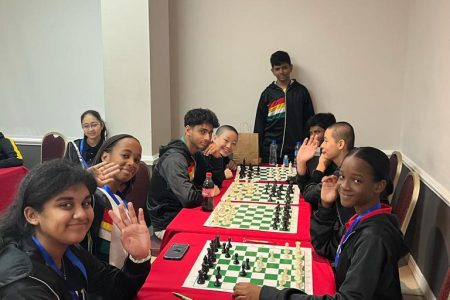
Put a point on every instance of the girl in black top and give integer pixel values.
(39, 233)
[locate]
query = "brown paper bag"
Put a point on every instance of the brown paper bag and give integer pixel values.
(247, 148)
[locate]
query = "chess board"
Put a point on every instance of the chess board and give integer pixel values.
(268, 173)
(268, 275)
(259, 192)
(251, 217)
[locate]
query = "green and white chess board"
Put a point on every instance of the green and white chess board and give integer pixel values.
(278, 173)
(260, 192)
(251, 217)
(278, 266)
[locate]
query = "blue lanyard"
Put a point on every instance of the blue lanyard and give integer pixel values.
(113, 196)
(51, 263)
(83, 162)
(347, 233)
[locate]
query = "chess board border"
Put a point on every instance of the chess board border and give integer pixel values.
(191, 279)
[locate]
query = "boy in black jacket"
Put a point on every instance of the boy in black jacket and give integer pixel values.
(172, 187)
(10, 156)
(283, 109)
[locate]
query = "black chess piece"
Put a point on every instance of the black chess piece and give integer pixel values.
(242, 272)
(229, 243)
(247, 264)
(218, 272)
(236, 260)
(217, 283)
(275, 225)
(217, 240)
(224, 247)
(227, 253)
(266, 188)
(201, 278)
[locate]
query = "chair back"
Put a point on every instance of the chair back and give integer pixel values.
(395, 168)
(407, 199)
(444, 293)
(139, 193)
(53, 146)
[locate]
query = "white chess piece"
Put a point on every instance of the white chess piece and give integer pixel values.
(286, 249)
(271, 256)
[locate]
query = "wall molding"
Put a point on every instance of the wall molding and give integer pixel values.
(428, 180)
(420, 279)
(36, 141)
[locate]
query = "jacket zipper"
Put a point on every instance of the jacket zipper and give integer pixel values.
(285, 119)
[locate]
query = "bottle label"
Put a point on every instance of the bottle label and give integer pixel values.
(207, 193)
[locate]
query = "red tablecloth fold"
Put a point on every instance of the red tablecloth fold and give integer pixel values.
(192, 220)
(167, 276)
(9, 182)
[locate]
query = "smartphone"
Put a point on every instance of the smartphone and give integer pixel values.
(176, 251)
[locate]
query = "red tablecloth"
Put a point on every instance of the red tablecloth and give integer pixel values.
(192, 220)
(167, 276)
(9, 182)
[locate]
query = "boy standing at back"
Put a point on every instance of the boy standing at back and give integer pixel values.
(283, 109)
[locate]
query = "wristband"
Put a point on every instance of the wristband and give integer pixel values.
(140, 261)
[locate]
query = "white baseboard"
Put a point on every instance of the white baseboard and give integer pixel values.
(420, 279)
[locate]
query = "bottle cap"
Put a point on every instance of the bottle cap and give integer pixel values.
(208, 174)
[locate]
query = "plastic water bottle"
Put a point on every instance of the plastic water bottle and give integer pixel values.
(208, 193)
(297, 147)
(273, 153)
(286, 160)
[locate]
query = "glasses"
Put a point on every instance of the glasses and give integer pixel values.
(92, 125)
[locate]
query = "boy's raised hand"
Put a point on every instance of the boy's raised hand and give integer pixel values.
(213, 150)
(231, 165)
(323, 163)
(307, 149)
(135, 237)
(305, 153)
(104, 172)
(329, 191)
(228, 173)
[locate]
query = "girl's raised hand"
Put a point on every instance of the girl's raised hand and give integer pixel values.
(104, 172)
(329, 191)
(135, 236)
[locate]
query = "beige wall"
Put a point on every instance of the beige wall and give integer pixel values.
(126, 57)
(349, 54)
(160, 73)
(426, 108)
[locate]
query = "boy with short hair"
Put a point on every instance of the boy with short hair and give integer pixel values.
(10, 155)
(172, 187)
(225, 138)
(307, 162)
(283, 108)
(339, 139)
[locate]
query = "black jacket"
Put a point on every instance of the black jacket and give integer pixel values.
(368, 264)
(210, 164)
(88, 154)
(171, 186)
(286, 124)
(10, 156)
(24, 275)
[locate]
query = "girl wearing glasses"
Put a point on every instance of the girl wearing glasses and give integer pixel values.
(83, 151)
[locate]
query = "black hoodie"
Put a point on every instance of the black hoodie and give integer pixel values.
(10, 156)
(171, 186)
(282, 117)
(368, 264)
